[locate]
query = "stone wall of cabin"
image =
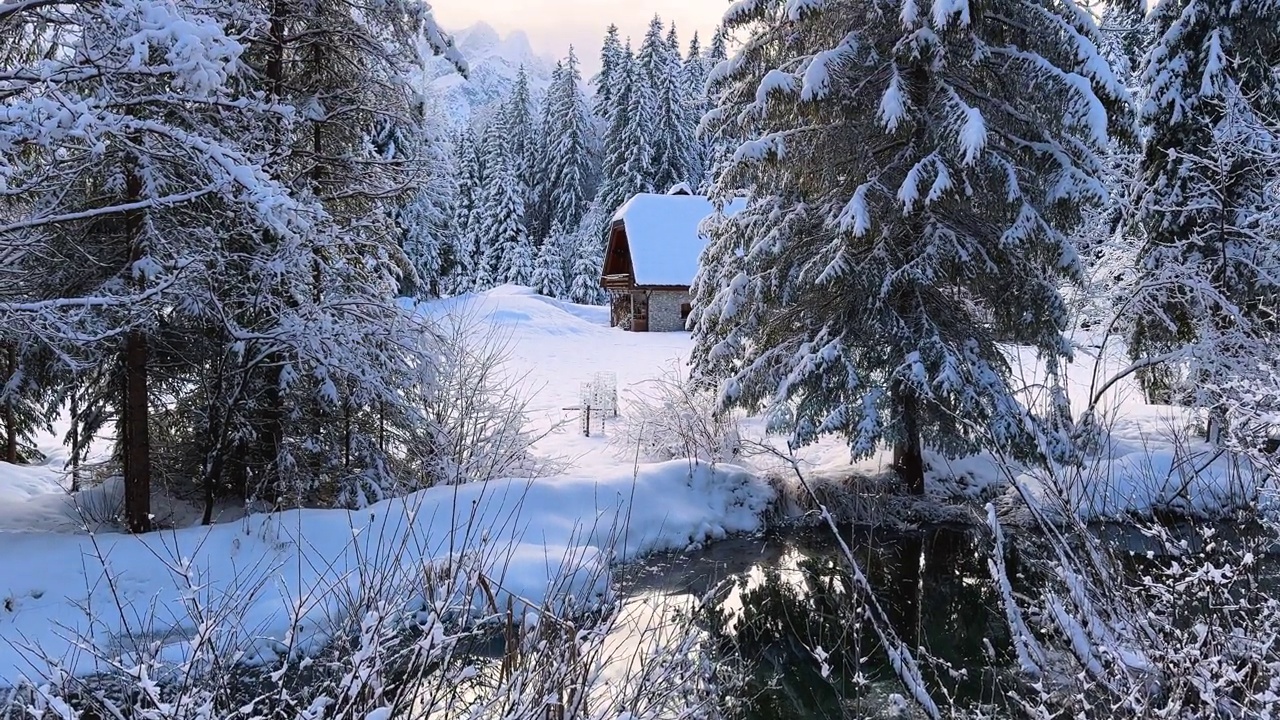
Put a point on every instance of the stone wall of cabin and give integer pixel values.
(665, 308)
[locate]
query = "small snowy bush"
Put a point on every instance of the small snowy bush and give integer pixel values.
(479, 409)
(672, 418)
(396, 638)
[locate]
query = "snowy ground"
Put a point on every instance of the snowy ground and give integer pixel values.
(52, 577)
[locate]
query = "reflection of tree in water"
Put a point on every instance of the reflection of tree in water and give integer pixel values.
(936, 589)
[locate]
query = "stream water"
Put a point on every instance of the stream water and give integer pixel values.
(781, 615)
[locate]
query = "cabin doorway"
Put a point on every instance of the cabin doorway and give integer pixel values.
(620, 310)
(640, 313)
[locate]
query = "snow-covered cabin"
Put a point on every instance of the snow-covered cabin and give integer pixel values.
(652, 257)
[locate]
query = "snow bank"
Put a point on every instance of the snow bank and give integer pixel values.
(541, 540)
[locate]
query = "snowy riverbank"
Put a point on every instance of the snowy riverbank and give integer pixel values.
(599, 506)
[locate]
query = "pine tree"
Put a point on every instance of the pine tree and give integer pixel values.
(218, 217)
(426, 220)
(569, 167)
(468, 212)
(612, 60)
(588, 256)
(507, 252)
(521, 139)
(716, 149)
(1207, 298)
(548, 270)
(106, 230)
(1124, 38)
(693, 77)
(909, 200)
(626, 169)
(669, 134)
(538, 214)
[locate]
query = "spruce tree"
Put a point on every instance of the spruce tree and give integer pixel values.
(911, 179)
(716, 149)
(588, 256)
(1125, 38)
(1208, 293)
(612, 61)
(669, 131)
(468, 212)
(548, 271)
(569, 168)
(693, 77)
(627, 153)
(521, 138)
(426, 219)
(507, 252)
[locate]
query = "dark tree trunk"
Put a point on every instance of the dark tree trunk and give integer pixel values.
(75, 436)
(10, 418)
(215, 461)
(136, 437)
(908, 456)
(137, 440)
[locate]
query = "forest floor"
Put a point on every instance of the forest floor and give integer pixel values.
(543, 538)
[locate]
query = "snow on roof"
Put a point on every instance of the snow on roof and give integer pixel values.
(662, 233)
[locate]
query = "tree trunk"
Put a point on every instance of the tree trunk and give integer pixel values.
(137, 445)
(10, 418)
(136, 436)
(75, 435)
(908, 456)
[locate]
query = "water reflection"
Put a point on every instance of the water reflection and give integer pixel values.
(797, 627)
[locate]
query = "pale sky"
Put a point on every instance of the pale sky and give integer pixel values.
(553, 24)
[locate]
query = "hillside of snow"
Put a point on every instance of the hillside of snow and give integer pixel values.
(493, 62)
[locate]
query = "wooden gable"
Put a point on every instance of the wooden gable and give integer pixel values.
(618, 269)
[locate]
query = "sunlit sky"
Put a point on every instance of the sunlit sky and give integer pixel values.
(553, 24)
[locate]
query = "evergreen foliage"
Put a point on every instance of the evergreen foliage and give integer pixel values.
(612, 63)
(910, 202)
(548, 270)
(1207, 301)
(201, 246)
(507, 251)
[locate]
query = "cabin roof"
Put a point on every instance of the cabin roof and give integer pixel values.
(664, 237)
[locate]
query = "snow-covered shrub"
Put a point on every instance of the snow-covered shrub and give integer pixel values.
(1186, 631)
(398, 636)
(479, 408)
(673, 418)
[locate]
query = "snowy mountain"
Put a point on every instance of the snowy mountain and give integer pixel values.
(494, 61)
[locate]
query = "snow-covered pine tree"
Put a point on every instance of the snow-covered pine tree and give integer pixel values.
(693, 78)
(521, 138)
(612, 60)
(912, 174)
(323, 424)
(670, 133)
(548, 270)
(508, 253)
(627, 153)
(588, 256)
(716, 149)
(119, 203)
(1206, 303)
(570, 170)
(538, 215)
(426, 220)
(469, 213)
(1125, 38)
(25, 410)
(208, 282)
(1107, 248)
